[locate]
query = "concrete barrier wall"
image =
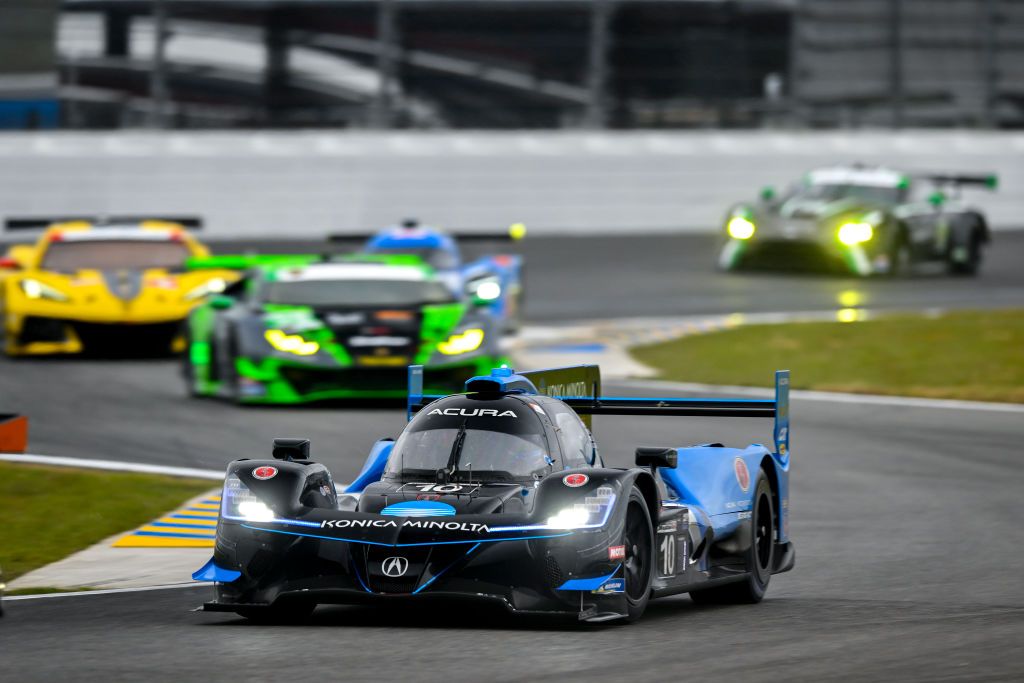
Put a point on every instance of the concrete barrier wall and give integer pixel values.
(305, 183)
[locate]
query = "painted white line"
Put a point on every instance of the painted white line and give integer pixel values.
(105, 591)
(113, 465)
(834, 397)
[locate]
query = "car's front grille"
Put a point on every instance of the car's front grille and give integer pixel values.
(553, 572)
(421, 564)
(42, 330)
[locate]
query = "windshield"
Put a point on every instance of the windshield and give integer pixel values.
(69, 257)
(505, 446)
(834, 192)
(439, 259)
(361, 293)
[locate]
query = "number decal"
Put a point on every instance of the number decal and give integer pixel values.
(668, 555)
(439, 488)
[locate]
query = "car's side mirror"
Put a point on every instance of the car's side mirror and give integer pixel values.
(657, 457)
(767, 193)
(221, 302)
(291, 449)
(937, 198)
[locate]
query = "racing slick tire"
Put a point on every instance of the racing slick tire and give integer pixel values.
(760, 556)
(900, 257)
(970, 266)
(638, 537)
(281, 612)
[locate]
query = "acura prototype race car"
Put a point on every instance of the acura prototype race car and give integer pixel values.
(865, 220)
(88, 286)
(300, 328)
(493, 281)
(499, 494)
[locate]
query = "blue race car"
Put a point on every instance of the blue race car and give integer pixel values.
(491, 282)
(499, 494)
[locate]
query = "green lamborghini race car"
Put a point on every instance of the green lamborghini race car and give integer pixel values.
(301, 329)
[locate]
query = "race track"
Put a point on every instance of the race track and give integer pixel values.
(905, 519)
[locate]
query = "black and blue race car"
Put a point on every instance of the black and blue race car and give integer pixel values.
(499, 494)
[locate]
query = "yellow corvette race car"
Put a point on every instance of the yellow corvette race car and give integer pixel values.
(99, 287)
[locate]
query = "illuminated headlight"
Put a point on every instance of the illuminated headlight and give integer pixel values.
(740, 228)
(291, 343)
(592, 513)
(239, 504)
(488, 290)
(855, 233)
(212, 286)
(34, 289)
(462, 342)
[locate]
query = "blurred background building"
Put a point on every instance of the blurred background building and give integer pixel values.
(511, 64)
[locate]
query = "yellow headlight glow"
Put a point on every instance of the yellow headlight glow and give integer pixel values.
(291, 343)
(34, 289)
(740, 228)
(855, 233)
(470, 340)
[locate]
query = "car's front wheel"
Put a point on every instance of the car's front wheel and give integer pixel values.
(638, 537)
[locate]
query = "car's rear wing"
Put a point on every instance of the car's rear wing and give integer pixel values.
(513, 233)
(988, 180)
(247, 261)
(582, 387)
(99, 221)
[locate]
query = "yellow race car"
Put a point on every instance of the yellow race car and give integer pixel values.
(96, 287)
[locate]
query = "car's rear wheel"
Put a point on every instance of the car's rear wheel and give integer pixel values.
(760, 555)
(970, 263)
(638, 537)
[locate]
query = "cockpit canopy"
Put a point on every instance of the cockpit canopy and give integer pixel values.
(463, 438)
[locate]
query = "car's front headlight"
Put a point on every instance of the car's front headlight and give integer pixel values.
(855, 233)
(485, 289)
(740, 228)
(462, 342)
(214, 285)
(34, 289)
(592, 513)
(239, 504)
(291, 343)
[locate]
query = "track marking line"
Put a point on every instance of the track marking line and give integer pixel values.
(113, 465)
(193, 525)
(105, 591)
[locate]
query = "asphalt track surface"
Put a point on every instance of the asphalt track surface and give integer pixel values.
(905, 521)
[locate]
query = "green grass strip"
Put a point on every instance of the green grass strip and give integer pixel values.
(47, 513)
(975, 355)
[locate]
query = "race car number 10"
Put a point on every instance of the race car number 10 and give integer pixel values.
(668, 554)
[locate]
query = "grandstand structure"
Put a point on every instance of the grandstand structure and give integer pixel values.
(522, 64)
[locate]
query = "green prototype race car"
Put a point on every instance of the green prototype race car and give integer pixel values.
(306, 328)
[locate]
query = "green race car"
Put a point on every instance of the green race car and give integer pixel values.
(297, 329)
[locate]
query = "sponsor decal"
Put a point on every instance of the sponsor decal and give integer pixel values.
(162, 282)
(668, 527)
(472, 412)
(325, 490)
(575, 480)
(566, 389)
(743, 515)
(427, 496)
(612, 586)
(378, 341)
(742, 474)
(394, 566)
(344, 318)
(423, 524)
(616, 552)
(265, 472)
